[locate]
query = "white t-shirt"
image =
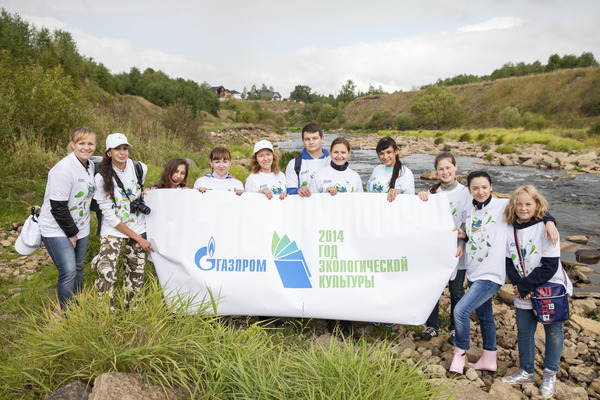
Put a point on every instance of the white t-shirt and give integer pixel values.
(261, 180)
(461, 202)
(534, 247)
(308, 169)
(228, 184)
(486, 249)
(379, 182)
(346, 181)
(68, 181)
(112, 216)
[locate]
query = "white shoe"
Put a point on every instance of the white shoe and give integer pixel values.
(520, 377)
(548, 383)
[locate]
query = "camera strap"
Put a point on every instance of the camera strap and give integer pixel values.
(138, 173)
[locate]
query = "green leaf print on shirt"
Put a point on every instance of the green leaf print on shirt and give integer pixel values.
(480, 241)
(78, 195)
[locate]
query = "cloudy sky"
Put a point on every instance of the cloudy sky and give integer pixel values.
(397, 44)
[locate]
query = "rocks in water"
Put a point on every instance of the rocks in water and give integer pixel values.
(588, 255)
(581, 239)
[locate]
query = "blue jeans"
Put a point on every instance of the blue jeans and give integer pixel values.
(69, 263)
(526, 327)
(456, 293)
(479, 298)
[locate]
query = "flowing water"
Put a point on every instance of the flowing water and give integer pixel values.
(574, 203)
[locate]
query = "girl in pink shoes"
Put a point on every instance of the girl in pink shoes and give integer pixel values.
(537, 263)
(486, 236)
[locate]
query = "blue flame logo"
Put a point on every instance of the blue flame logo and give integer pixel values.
(200, 258)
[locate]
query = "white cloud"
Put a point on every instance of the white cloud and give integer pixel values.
(393, 44)
(497, 23)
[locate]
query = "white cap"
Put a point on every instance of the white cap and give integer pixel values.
(115, 140)
(30, 237)
(263, 144)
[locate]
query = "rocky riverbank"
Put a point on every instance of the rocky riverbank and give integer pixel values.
(530, 155)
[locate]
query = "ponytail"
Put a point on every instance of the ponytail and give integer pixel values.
(108, 173)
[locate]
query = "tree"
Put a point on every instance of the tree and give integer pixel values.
(587, 60)
(348, 92)
(327, 113)
(301, 93)
(436, 106)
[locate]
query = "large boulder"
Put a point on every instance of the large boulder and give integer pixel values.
(124, 386)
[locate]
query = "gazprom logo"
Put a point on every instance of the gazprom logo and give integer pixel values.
(206, 261)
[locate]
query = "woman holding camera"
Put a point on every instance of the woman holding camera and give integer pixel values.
(119, 187)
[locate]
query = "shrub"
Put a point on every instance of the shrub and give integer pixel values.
(594, 129)
(510, 117)
(403, 122)
(380, 120)
(499, 140)
(181, 121)
(230, 105)
(535, 122)
(247, 116)
(465, 137)
(566, 145)
(506, 149)
(481, 136)
(489, 156)
(438, 140)
(485, 147)
(37, 104)
(284, 159)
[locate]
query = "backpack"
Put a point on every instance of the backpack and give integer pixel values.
(139, 173)
(297, 166)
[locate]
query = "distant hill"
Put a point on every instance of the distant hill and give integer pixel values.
(567, 97)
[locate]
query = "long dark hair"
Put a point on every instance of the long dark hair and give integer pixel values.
(440, 157)
(108, 173)
(171, 166)
(383, 144)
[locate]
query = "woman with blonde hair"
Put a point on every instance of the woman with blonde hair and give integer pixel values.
(65, 215)
(266, 177)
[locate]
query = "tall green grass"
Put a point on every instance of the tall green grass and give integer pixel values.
(200, 354)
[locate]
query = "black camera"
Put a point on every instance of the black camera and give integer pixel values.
(138, 206)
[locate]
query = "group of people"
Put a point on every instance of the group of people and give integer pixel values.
(486, 246)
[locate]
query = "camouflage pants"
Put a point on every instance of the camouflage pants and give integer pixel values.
(133, 270)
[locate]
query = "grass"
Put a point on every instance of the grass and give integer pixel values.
(198, 354)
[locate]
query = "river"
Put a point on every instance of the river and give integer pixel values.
(575, 203)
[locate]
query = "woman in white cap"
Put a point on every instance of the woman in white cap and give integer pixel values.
(266, 177)
(119, 189)
(65, 216)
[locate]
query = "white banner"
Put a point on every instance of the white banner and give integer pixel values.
(350, 256)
